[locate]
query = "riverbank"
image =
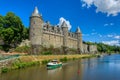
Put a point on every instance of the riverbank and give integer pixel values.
(32, 60)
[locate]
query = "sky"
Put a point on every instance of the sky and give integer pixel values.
(99, 20)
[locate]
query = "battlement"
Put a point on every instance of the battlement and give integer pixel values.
(57, 30)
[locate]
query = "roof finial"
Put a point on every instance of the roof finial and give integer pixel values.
(78, 30)
(36, 12)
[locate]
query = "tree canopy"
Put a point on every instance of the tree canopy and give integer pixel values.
(12, 31)
(105, 48)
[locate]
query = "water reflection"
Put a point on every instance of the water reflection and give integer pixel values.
(105, 68)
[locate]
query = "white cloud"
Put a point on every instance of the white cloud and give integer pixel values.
(109, 24)
(117, 37)
(113, 42)
(111, 7)
(87, 3)
(61, 20)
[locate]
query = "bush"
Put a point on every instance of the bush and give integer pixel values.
(64, 59)
(25, 49)
(5, 47)
(45, 61)
(19, 65)
(4, 70)
(1, 48)
(47, 53)
(74, 58)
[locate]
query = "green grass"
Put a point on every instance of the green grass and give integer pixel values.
(19, 65)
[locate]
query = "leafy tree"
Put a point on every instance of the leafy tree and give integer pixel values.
(1, 22)
(12, 31)
(7, 35)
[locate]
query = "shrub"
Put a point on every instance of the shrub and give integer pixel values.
(45, 61)
(1, 48)
(74, 58)
(25, 49)
(4, 70)
(18, 64)
(5, 47)
(64, 59)
(47, 53)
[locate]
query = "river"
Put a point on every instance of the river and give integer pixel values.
(103, 68)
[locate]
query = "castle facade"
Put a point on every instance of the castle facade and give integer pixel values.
(45, 34)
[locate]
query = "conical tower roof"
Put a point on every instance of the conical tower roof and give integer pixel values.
(36, 12)
(64, 24)
(78, 30)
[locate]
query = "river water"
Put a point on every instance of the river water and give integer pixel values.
(104, 68)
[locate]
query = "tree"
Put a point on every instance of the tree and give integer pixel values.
(105, 48)
(12, 30)
(7, 35)
(1, 22)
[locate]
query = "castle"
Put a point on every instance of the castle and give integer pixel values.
(45, 34)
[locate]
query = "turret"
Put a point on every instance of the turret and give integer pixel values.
(35, 34)
(65, 36)
(65, 33)
(79, 40)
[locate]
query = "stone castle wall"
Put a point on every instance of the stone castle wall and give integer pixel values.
(55, 38)
(50, 38)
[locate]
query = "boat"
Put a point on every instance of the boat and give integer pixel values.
(54, 64)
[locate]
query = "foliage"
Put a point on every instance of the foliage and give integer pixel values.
(25, 49)
(89, 43)
(4, 69)
(1, 48)
(105, 48)
(20, 65)
(45, 61)
(5, 47)
(47, 53)
(65, 59)
(12, 31)
(74, 58)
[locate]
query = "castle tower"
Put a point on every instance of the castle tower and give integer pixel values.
(35, 36)
(79, 40)
(65, 36)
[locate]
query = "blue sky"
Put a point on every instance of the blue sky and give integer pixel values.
(99, 20)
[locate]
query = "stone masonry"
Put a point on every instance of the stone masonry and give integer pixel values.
(45, 34)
